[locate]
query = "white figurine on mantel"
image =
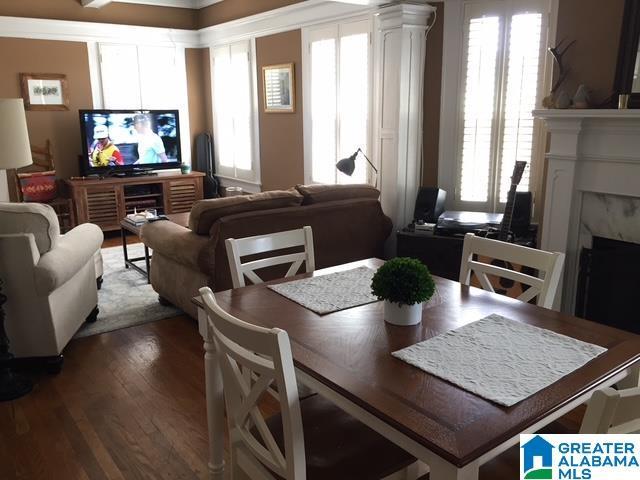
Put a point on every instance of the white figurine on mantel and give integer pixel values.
(582, 97)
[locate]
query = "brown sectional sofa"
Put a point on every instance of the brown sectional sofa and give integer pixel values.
(347, 221)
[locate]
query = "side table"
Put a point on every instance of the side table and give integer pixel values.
(125, 227)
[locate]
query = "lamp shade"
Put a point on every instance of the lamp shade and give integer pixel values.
(15, 151)
(347, 165)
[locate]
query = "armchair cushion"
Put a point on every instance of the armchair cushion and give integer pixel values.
(36, 218)
(72, 252)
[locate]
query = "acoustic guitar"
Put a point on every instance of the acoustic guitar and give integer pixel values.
(501, 285)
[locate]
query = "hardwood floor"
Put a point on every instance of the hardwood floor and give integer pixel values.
(127, 405)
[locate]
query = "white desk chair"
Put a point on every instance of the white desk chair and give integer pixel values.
(241, 247)
(613, 411)
(548, 264)
(309, 439)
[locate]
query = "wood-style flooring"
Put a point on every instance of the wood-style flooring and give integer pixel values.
(128, 405)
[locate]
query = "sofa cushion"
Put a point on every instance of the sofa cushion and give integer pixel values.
(36, 218)
(205, 212)
(328, 193)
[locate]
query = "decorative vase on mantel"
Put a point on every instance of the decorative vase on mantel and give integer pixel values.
(404, 284)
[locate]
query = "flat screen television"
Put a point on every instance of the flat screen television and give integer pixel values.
(125, 141)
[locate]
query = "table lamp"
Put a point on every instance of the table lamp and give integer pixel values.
(348, 165)
(15, 152)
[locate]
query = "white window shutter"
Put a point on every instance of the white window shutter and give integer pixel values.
(120, 76)
(482, 40)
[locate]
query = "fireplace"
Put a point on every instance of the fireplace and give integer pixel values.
(609, 283)
(592, 190)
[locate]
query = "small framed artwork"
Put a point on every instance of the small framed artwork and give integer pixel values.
(44, 91)
(279, 88)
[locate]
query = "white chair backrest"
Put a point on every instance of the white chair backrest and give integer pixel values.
(613, 411)
(251, 359)
(241, 247)
(548, 264)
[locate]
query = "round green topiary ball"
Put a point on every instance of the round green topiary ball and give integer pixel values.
(405, 281)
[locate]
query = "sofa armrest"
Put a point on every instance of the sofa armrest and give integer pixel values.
(175, 241)
(72, 251)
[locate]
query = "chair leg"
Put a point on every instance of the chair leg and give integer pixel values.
(93, 316)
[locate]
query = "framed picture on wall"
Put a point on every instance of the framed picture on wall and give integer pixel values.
(279, 88)
(44, 91)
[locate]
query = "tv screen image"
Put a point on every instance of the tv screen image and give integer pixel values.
(124, 140)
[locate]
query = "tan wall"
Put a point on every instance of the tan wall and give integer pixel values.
(593, 58)
(198, 92)
(281, 136)
(62, 127)
(431, 101)
(228, 10)
(123, 13)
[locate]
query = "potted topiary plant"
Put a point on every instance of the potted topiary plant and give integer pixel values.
(404, 284)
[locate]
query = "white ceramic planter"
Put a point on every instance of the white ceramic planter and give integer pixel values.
(403, 315)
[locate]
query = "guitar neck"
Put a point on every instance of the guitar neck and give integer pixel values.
(505, 225)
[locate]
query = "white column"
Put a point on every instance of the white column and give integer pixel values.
(399, 61)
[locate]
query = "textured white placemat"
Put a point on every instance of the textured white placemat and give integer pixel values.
(331, 292)
(500, 359)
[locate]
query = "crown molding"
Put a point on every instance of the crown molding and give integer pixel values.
(193, 4)
(303, 14)
(298, 15)
(71, 31)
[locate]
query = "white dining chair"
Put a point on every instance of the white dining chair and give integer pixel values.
(613, 411)
(237, 248)
(308, 439)
(548, 264)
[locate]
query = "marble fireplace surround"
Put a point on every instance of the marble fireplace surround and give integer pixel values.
(593, 184)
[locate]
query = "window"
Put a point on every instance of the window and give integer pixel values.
(337, 103)
(501, 84)
(146, 77)
(233, 111)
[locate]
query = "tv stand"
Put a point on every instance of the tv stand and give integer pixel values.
(106, 201)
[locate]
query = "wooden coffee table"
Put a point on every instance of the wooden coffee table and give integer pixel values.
(125, 226)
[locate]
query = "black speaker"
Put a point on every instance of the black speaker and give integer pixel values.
(429, 204)
(522, 206)
(204, 163)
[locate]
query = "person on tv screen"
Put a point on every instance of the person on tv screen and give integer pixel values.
(103, 152)
(150, 146)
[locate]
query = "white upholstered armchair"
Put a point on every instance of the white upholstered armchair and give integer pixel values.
(49, 279)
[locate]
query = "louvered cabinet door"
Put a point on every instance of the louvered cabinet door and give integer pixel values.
(181, 196)
(101, 207)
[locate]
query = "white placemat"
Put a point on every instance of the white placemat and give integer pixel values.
(500, 359)
(332, 292)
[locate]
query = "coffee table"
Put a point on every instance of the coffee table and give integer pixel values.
(125, 226)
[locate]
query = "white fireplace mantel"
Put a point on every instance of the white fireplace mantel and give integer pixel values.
(589, 151)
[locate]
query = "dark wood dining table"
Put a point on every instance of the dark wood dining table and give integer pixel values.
(346, 356)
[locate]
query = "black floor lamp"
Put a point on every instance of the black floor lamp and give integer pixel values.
(348, 165)
(15, 152)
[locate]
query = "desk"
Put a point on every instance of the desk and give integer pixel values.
(345, 356)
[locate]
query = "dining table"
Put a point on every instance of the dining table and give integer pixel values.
(346, 357)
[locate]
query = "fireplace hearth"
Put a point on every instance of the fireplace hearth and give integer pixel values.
(609, 284)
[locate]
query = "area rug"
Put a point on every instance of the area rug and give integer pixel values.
(125, 299)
